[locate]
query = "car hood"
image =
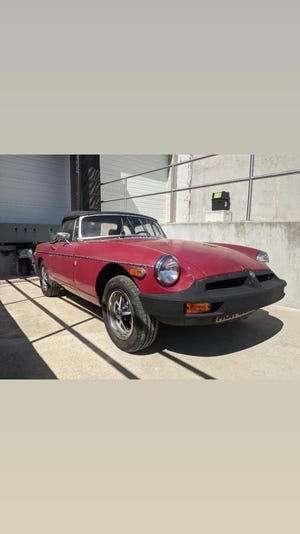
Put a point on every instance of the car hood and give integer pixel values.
(207, 258)
(199, 259)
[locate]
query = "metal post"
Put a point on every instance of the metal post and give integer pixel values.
(172, 191)
(78, 183)
(250, 188)
(100, 192)
(125, 195)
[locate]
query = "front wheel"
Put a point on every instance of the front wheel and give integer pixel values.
(49, 288)
(127, 323)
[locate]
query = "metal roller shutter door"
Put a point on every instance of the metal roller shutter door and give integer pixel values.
(34, 189)
(113, 167)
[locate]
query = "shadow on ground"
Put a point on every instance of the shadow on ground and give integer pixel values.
(80, 303)
(75, 302)
(204, 341)
(18, 358)
(217, 340)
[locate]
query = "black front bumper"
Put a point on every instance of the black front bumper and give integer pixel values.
(230, 296)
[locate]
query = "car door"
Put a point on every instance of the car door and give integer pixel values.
(63, 256)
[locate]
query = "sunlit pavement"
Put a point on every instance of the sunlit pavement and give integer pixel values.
(65, 338)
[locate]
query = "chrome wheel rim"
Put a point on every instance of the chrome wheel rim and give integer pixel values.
(44, 279)
(119, 313)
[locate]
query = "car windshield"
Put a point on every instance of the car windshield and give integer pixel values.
(101, 226)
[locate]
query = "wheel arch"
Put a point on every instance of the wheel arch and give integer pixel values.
(108, 272)
(39, 261)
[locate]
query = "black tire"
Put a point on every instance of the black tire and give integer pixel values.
(127, 323)
(49, 288)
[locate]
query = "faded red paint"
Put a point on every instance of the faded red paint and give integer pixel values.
(77, 265)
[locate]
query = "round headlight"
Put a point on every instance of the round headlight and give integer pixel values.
(167, 270)
(262, 256)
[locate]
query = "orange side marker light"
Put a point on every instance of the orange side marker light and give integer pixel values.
(138, 272)
(197, 307)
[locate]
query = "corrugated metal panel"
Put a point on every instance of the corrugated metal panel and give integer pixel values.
(113, 167)
(34, 189)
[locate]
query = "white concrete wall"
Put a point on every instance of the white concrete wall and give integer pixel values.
(274, 199)
(183, 179)
(281, 240)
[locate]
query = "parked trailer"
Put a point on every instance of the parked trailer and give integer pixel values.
(34, 194)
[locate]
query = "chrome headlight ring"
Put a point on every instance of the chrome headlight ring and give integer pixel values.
(167, 270)
(262, 257)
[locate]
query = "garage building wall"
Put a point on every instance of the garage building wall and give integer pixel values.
(113, 167)
(274, 199)
(34, 189)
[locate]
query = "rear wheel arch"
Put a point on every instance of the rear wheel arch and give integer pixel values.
(49, 288)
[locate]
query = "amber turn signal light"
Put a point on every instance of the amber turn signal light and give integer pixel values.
(197, 307)
(137, 272)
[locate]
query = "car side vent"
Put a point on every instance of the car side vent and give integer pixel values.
(264, 277)
(223, 284)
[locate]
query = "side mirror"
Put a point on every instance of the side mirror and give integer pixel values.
(63, 237)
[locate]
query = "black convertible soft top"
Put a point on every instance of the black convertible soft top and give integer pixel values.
(75, 214)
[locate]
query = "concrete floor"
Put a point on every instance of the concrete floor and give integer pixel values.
(65, 338)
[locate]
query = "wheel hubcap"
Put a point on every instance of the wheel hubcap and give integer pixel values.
(119, 313)
(44, 279)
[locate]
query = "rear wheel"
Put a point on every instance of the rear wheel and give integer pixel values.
(49, 288)
(127, 323)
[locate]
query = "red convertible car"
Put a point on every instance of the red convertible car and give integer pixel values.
(125, 263)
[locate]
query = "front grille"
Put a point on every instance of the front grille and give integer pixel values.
(223, 284)
(264, 277)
